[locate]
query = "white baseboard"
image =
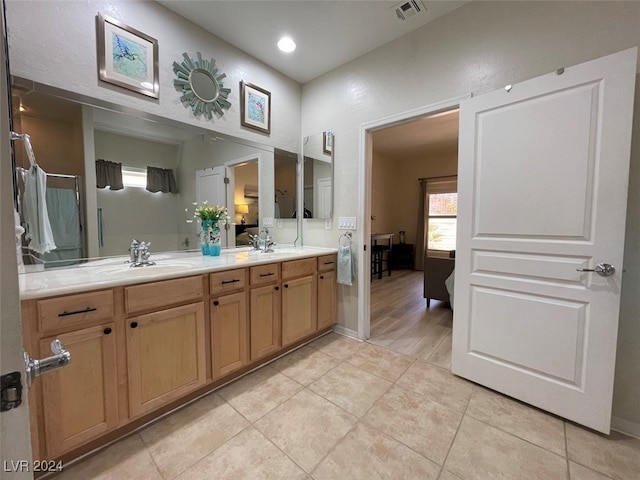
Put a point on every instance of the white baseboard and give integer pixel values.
(624, 426)
(345, 331)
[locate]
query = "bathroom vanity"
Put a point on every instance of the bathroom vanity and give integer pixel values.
(144, 341)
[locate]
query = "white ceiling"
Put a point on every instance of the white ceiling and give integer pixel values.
(328, 33)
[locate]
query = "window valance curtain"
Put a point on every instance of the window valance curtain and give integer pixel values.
(109, 174)
(161, 180)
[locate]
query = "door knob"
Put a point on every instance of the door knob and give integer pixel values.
(604, 269)
(34, 368)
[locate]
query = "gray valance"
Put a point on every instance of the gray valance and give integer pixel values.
(109, 174)
(161, 180)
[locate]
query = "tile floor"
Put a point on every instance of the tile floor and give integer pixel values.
(342, 409)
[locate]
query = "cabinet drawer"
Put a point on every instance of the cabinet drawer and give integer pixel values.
(73, 310)
(327, 262)
(161, 294)
(298, 268)
(263, 274)
(227, 281)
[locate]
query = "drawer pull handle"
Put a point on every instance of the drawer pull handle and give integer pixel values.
(267, 274)
(328, 263)
(224, 282)
(216, 303)
(134, 324)
(76, 312)
(286, 285)
(276, 288)
(107, 331)
(321, 277)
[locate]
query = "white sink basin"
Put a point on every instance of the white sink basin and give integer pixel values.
(126, 271)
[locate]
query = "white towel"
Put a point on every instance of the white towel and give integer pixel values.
(345, 265)
(35, 211)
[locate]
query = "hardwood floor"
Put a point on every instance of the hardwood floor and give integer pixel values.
(401, 321)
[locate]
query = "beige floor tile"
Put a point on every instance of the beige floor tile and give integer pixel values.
(351, 388)
(447, 475)
(617, 455)
(338, 346)
(127, 459)
(305, 365)
(306, 427)
(183, 438)
(438, 384)
(441, 357)
(248, 455)
(259, 392)
(366, 453)
(578, 472)
(518, 419)
(481, 452)
(422, 424)
(381, 362)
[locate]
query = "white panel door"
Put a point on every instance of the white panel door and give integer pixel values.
(210, 187)
(542, 190)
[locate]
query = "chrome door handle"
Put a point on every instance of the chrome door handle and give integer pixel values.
(604, 269)
(34, 368)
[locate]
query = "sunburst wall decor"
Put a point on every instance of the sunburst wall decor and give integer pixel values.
(201, 84)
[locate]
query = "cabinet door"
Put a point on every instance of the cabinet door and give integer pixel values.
(165, 356)
(229, 334)
(80, 401)
(299, 304)
(265, 321)
(327, 299)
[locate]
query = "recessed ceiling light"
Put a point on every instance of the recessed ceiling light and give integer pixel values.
(286, 44)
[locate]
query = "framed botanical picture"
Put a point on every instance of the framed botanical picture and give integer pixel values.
(327, 142)
(127, 57)
(255, 107)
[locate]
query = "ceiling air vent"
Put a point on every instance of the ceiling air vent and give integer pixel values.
(407, 9)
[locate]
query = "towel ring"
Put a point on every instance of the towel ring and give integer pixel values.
(347, 236)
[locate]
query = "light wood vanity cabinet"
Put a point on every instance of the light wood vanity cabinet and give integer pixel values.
(229, 321)
(166, 356)
(327, 291)
(82, 398)
(135, 349)
(299, 300)
(265, 310)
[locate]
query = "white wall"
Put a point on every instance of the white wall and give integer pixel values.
(478, 48)
(54, 42)
(134, 212)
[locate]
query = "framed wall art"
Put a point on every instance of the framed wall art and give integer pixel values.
(255, 107)
(327, 142)
(127, 57)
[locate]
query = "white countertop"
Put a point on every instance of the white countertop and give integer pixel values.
(112, 272)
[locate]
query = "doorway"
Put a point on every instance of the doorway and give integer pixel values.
(399, 132)
(403, 156)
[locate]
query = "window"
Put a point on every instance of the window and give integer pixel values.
(134, 177)
(442, 211)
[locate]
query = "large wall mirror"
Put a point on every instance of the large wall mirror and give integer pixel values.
(69, 134)
(317, 151)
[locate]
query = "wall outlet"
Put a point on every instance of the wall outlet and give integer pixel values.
(346, 223)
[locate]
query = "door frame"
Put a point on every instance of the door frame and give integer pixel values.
(363, 234)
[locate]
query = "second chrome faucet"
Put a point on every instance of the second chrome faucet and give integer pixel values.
(139, 254)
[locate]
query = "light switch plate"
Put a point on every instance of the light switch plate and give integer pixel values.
(267, 222)
(346, 223)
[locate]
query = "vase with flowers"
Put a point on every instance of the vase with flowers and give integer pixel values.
(210, 220)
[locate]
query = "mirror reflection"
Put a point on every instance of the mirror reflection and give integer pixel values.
(317, 151)
(69, 138)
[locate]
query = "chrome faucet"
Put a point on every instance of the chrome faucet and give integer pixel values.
(262, 241)
(139, 254)
(133, 252)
